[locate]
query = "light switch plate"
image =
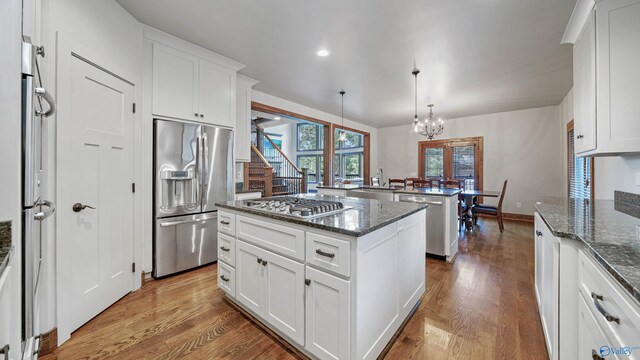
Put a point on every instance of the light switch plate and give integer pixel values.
(519, 205)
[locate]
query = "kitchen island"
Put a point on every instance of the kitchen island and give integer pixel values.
(337, 286)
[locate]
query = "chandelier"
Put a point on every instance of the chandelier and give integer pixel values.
(427, 127)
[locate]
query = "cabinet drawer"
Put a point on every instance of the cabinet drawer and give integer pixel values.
(591, 339)
(227, 249)
(601, 291)
(227, 279)
(278, 238)
(328, 253)
(227, 223)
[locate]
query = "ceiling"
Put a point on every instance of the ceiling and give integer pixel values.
(475, 56)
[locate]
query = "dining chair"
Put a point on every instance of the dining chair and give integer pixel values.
(398, 182)
(411, 180)
(491, 210)
(462, 207)
(421, 184)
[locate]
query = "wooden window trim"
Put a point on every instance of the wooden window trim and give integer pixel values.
(329, 146)
(448, 144)
(570, 126)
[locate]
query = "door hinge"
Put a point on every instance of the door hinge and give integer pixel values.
(133, 187)
(133, 267)
(134, 108)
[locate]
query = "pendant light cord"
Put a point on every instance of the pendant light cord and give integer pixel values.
(342, 108)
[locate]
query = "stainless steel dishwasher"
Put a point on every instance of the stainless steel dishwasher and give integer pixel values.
(435, 234)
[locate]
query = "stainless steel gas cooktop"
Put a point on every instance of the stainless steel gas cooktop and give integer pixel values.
(297, 207)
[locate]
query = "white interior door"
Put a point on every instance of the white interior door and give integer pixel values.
(95, 168)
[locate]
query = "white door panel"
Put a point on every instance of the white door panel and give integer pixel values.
(95, 166)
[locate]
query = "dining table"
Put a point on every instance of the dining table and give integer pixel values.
(468, 196)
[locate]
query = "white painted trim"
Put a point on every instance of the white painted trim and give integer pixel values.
(65, 46)
(247, 80)
(578, 19)
(175, 42)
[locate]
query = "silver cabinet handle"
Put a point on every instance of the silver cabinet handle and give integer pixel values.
(538, 233)
(307, 282)
(322, 253)
(41, 92)
(5, 351)
(224, 278)
(259, 260)
(45, 214)
(196, 114)
(596, 301)
(224, 248)
(224, 222)
(264, 262)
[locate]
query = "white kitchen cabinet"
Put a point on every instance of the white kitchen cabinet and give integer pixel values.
(328, 316)
(590, 336)
(606, 38)
(216, 94)
(243, 118)
(272, 287)
(6, 312)
(175, 83)
(190, 88)
(283, 291)
(584, 82)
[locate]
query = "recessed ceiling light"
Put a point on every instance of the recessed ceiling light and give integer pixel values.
(276, 118)
(323, 52)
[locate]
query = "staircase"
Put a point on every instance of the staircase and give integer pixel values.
(270, 170)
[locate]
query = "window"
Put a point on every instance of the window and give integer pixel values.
(580, 170)
(434, 163)
(310, 162)
(348, 162)
(310, 137)
(452, 159)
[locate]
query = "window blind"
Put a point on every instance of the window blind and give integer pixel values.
(579, 172)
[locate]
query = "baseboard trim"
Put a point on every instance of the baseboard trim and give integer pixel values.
(146, 278)
(512, 217)
(48, 342)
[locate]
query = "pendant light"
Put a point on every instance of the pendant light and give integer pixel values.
(343, 135)
(428, 127)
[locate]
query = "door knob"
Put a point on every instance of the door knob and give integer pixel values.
(77, 207)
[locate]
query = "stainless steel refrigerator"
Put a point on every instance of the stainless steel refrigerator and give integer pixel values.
(193, 167)
(37, 106)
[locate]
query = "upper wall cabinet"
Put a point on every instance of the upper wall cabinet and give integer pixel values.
(606, 76)
(243, 118)
(189, 87)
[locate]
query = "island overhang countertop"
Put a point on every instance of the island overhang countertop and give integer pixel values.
(363, 216)
(395, 190)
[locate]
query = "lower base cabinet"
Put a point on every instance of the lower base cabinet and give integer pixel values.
(327, 314)
(272, 286)
(590, 338)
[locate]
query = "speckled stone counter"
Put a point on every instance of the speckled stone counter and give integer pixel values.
(430, 192)
(610, 229)
(5, 244)
(365, 216)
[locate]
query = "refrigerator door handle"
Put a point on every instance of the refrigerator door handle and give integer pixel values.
(205, 166)
(41, 92)
(45, 214)
(198, 175)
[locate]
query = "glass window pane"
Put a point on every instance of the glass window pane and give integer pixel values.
(336, 166)
(463, 162)
(353, 140)
(307, 137)
(434, 163)
(309, 163)
(352, 165)
(321, 167)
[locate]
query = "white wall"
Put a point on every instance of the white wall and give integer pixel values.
(522, 146)
(280, 103)
(10, 168)
(611, 172)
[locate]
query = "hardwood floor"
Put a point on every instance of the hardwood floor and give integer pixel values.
(480, 307)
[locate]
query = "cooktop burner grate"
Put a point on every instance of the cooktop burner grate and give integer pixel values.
(295, 206)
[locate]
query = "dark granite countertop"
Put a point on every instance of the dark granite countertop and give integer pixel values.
(366, 215)
(5, 244)
(395, 190)
(610, 229)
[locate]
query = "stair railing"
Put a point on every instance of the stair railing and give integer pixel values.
(288, 178)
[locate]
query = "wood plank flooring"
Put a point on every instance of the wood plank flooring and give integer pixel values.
(480, 307)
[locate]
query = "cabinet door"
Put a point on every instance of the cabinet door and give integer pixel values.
(618, 61)
(284, 295)
(217, 88)
(243, 122)
(249, 274)
(175, 83)
(539, 260)
(591, 339)
(584, 85)
(328, 316)
(8, 327)
(411, 282)
(550, 291)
